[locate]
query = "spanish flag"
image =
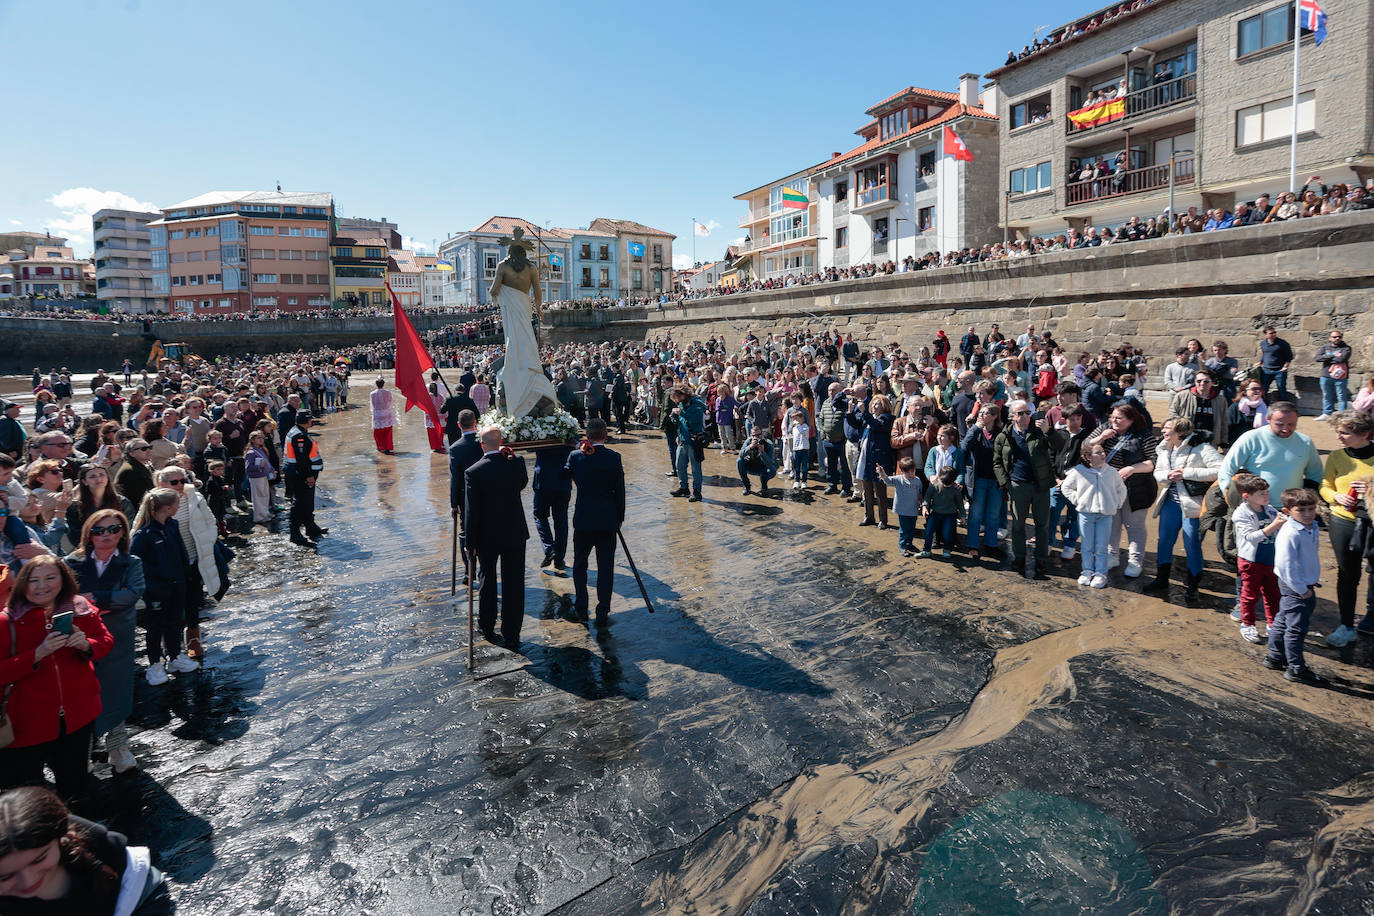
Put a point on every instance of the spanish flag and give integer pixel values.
(1100, 113)
(794, 200)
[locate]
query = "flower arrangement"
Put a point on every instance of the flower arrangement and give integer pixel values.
(558, 426)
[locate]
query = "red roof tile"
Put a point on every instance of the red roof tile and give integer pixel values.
(956, 110)
(916, 90)
(628, 226)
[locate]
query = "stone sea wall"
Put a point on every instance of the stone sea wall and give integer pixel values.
(1304, 278)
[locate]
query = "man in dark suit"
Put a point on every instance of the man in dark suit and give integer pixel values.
(453, 406)
(465, 451)
(600, 479)
(552, 493)
(496, 530)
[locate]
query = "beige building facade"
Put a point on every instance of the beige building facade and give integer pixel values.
(1199, 104)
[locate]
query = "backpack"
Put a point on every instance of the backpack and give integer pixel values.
(1048, 380)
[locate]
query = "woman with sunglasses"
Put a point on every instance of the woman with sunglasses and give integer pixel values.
(111, 578)
(198, 529)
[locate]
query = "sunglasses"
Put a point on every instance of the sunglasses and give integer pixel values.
(175, 481)
(107, 529)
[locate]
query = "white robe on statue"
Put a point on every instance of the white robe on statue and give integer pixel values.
(522, 375)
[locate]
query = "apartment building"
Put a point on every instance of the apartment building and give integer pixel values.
(358, 227)
(239, 251)
(358, 271)
(476, 253)
(431, 281)
(779, 226)
(1189, 98)
(645, 255)
(48, 271)
(124, 261)
(403, 272)
(595, 264)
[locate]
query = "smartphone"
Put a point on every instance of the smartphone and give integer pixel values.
(62, 623)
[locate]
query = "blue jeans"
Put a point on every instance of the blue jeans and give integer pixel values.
(1096, 530)
(1171, 521)
(984, 512)
(1279, 379)
(801, 463)
(766, 474)
(837, 466)
(1335, 394)
(1289, 629)
(687, 454)
(1069, 533)
(672, 449)
(943, 525)
(906, 532)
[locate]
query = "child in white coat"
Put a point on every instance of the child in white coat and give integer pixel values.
(1097, 491)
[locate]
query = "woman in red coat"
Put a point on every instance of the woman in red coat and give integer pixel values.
(48, 677)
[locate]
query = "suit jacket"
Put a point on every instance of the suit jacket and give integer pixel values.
(462, 455)
(494, 519)
(452, 407)
(548, 470)
(600, 479)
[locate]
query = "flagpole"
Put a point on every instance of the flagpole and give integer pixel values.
(1293, 148)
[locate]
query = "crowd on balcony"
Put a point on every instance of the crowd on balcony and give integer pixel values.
(1070, 32)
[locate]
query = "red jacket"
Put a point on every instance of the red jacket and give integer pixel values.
(62, 683)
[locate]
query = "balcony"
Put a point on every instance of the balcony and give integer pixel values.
(1133, 181)
(1141, 103)
(879, 197)
(755, 215)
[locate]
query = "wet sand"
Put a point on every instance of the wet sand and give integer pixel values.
(808, 724)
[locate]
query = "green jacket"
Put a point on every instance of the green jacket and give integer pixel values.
(1041, 455)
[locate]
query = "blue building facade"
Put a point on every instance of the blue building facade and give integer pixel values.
(595, 264)
(475, 255)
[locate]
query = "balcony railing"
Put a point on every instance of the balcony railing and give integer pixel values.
(753, 216)
(1146, 100)
(1132, 181)
(870, 196)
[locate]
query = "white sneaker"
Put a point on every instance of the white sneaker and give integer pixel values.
(1002, 534)
(1099, 581)
(1251, 634)
(1113, 561)
(1323, 418)
(183, 664)
(1341, 636)
(157, 674)
(122, 759)
(1067, 553)
(1132, 570)
(1085, 580)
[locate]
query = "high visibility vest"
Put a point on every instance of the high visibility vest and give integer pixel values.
(311, 463)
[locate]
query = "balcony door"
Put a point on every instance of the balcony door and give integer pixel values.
(1181, 146)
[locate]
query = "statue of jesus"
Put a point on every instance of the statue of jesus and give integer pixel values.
(525, 388)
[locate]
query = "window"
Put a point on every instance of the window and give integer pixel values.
(313, 211)
(604, 254)
(178, 257)
(211, 231)
(269, 302)
(289, 255)
(586, 252)
(658, 254)
(371, 273)
(1274, 120)
(316, 279)
(925, 219)
(926, 164)
(194, 280)
(871, 184)
(1032, 178)
(373, 253)
(178, 281)
(226, 303)
(193, 233)
(894, 123)
(212, 278)
(290, 300)
(264, 254)
(264, 278)
(317, 301)
(343, 252)
(157, 236)
(841, 236)
(376, 298)
(230, 230)
(587, 277)
(605, 278)
(489, 266)
(176, 234)
(260, 230)
(841, 191)
(66, 273)
(880, 229)
(1269, 28)
(317, 233)
(316, 255)
(289, 231)
(638, 278)
(1031, 111)
(160, 259)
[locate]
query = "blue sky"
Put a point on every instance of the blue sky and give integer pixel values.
(439, 115)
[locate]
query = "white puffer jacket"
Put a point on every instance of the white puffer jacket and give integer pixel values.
(194, 516)
(1199, 462)
(1099, 491)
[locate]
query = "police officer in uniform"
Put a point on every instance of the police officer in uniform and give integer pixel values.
(301, 466)
(600, 478)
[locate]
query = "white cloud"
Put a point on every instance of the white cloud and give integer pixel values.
(16, 222)
(78, 204)
(410, 243)
(682, 261)
(707, 227)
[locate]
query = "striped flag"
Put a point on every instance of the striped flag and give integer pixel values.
(792, 199)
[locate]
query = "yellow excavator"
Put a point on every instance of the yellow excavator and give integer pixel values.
(178, 353)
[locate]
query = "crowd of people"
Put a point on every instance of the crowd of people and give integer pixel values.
(65, 309)
(1082, 27)
(1033, 448)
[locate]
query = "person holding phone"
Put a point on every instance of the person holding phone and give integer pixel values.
(49, 638)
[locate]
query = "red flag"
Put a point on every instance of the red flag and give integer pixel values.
(955, 146)
(412, 360)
